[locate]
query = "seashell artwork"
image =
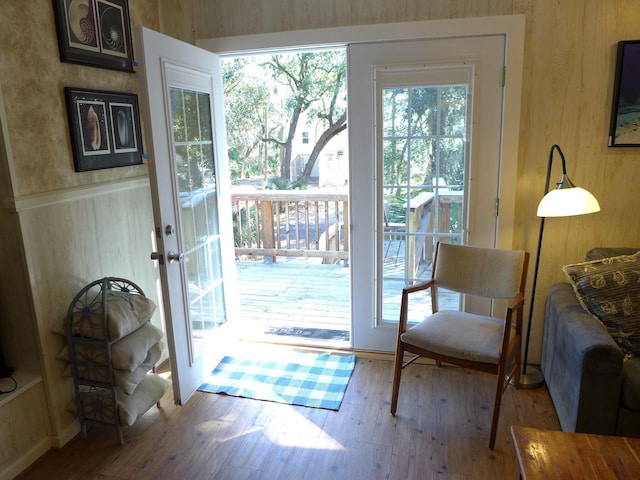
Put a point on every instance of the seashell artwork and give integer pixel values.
(80, 23)
(123, 128)
(95, 32)
(93, 127)
(114, 38)
(111, 30)
(104, 127)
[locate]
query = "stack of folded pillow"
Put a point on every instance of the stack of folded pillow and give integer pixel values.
(136, 346)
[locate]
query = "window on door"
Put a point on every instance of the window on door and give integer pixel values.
(196, 182)
(423, 150)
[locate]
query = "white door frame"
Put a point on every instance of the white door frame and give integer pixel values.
(511, 26)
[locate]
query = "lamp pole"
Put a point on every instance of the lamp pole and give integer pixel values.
(534, 378)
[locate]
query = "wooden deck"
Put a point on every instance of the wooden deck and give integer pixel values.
(294, 301)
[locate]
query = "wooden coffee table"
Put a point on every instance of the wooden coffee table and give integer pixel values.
(552, 454)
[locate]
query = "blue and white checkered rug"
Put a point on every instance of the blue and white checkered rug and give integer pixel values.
(307, 379)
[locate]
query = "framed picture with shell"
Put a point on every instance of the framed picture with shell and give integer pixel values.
(94, 32)
(104, 128)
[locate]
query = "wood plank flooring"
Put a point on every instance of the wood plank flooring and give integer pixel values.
(441, 430)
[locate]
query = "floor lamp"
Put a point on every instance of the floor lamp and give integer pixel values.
(565, 201)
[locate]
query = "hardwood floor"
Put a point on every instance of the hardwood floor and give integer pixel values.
(441, 430)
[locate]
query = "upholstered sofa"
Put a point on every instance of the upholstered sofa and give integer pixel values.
(593, 387)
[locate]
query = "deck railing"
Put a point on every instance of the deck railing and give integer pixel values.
(297, 223)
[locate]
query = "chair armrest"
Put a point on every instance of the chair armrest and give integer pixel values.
(418, 286)
(404, 303)
(582, 365)
(516, 303)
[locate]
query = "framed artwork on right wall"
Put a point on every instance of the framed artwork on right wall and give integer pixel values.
(624, 129)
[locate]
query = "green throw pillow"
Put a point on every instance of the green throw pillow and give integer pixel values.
(610, 289)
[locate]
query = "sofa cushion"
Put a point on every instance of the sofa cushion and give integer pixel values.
(609, 288)
(598, 253)
(631, 384)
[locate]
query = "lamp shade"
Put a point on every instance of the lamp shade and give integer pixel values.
(567, 200)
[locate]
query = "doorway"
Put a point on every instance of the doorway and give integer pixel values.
(359, 224)
(285, 115)
(488, 188)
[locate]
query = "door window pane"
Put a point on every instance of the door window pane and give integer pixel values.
(423, 165)
(196, 182)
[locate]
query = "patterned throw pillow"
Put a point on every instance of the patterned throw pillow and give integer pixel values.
(610, 290)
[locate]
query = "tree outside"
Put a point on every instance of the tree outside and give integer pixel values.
(424, 141)
(283, 108)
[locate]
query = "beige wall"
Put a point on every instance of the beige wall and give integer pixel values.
(32, 80)
(65, 228)
(568, 76)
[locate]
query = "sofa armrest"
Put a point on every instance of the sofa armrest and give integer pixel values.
(582, 365)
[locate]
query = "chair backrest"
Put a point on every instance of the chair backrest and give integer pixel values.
(483, 272)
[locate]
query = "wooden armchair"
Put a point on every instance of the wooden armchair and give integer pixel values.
(478, 342)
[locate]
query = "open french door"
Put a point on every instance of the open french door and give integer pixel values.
(181, 99)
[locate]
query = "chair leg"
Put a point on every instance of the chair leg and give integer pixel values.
(516, 373)
(496, 411)
(397, 373)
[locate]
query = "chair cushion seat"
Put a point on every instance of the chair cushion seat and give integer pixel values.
(460, 335)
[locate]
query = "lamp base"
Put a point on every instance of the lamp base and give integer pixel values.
(532, 379)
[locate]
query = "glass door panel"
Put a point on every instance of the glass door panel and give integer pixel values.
(196, 181)
(424, 152)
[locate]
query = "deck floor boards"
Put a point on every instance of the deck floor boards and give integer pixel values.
(297, 301)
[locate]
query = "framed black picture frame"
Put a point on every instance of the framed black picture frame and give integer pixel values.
(95, 32)
(624, 130)
(104, 127)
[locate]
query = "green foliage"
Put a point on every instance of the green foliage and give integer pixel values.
(247, 107)
(277, 183)
(193, 139)
(265, 97)
(424, 133)
(395, 209)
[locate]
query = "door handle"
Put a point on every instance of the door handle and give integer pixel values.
(175, 257)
